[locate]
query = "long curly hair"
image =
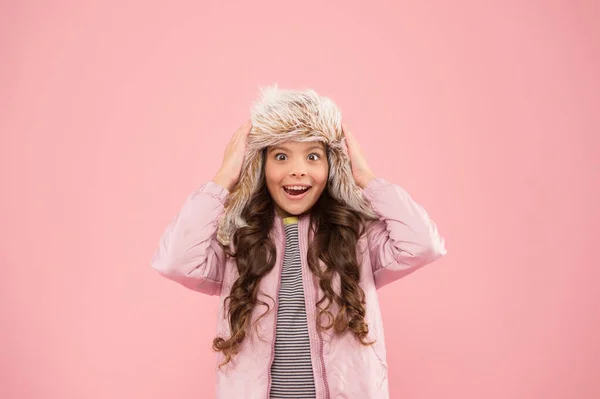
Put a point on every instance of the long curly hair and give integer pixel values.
(337, 229)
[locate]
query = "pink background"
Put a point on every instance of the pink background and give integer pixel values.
(486, 112)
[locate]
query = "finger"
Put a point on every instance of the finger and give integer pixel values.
(354, 141)
(245, 131)
(345, 129)
(350, 141)
(348, 133)
(248, 128)
(242, 131)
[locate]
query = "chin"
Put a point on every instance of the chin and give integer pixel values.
(296, 211)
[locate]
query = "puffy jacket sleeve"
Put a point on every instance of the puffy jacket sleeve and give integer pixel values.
(404, 238)
(188, 251)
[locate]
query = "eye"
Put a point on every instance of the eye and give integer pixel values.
(277, 156)
(316, 155)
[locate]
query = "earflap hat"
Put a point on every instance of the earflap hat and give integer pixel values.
(291, 115)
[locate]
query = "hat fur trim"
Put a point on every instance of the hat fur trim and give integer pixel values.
(291, 115)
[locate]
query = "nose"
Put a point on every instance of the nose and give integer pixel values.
(298, 169)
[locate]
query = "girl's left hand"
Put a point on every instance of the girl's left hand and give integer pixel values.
(360, 170)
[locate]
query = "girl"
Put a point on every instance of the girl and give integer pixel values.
(295, 234)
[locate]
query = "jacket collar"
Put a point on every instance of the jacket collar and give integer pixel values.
(303, 221)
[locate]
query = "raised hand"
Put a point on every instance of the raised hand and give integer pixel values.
(229, 172)
(360, 169)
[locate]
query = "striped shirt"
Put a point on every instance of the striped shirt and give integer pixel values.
(291, 371)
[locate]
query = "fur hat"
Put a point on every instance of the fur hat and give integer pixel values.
(291, 115)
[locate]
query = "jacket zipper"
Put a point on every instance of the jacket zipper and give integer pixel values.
(275, 317)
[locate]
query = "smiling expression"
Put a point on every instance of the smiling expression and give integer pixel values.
(296, 174)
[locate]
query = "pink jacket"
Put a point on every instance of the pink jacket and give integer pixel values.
(403, 240)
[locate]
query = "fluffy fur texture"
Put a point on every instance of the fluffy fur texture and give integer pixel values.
(297, 115)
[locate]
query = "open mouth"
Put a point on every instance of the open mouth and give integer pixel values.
(296, 191)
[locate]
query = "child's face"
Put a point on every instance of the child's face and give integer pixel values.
(296, 163)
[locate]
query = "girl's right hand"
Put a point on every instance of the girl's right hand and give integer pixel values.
(229, 173)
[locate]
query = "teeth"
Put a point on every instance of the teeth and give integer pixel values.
(296, 187)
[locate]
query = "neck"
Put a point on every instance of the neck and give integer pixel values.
(282, 213)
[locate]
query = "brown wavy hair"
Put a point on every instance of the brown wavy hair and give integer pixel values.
(336, 228)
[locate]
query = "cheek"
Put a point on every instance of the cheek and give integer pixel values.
(271, 174)
(274, 177)
(322, 175)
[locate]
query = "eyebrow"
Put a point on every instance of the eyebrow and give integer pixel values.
(284, 148)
